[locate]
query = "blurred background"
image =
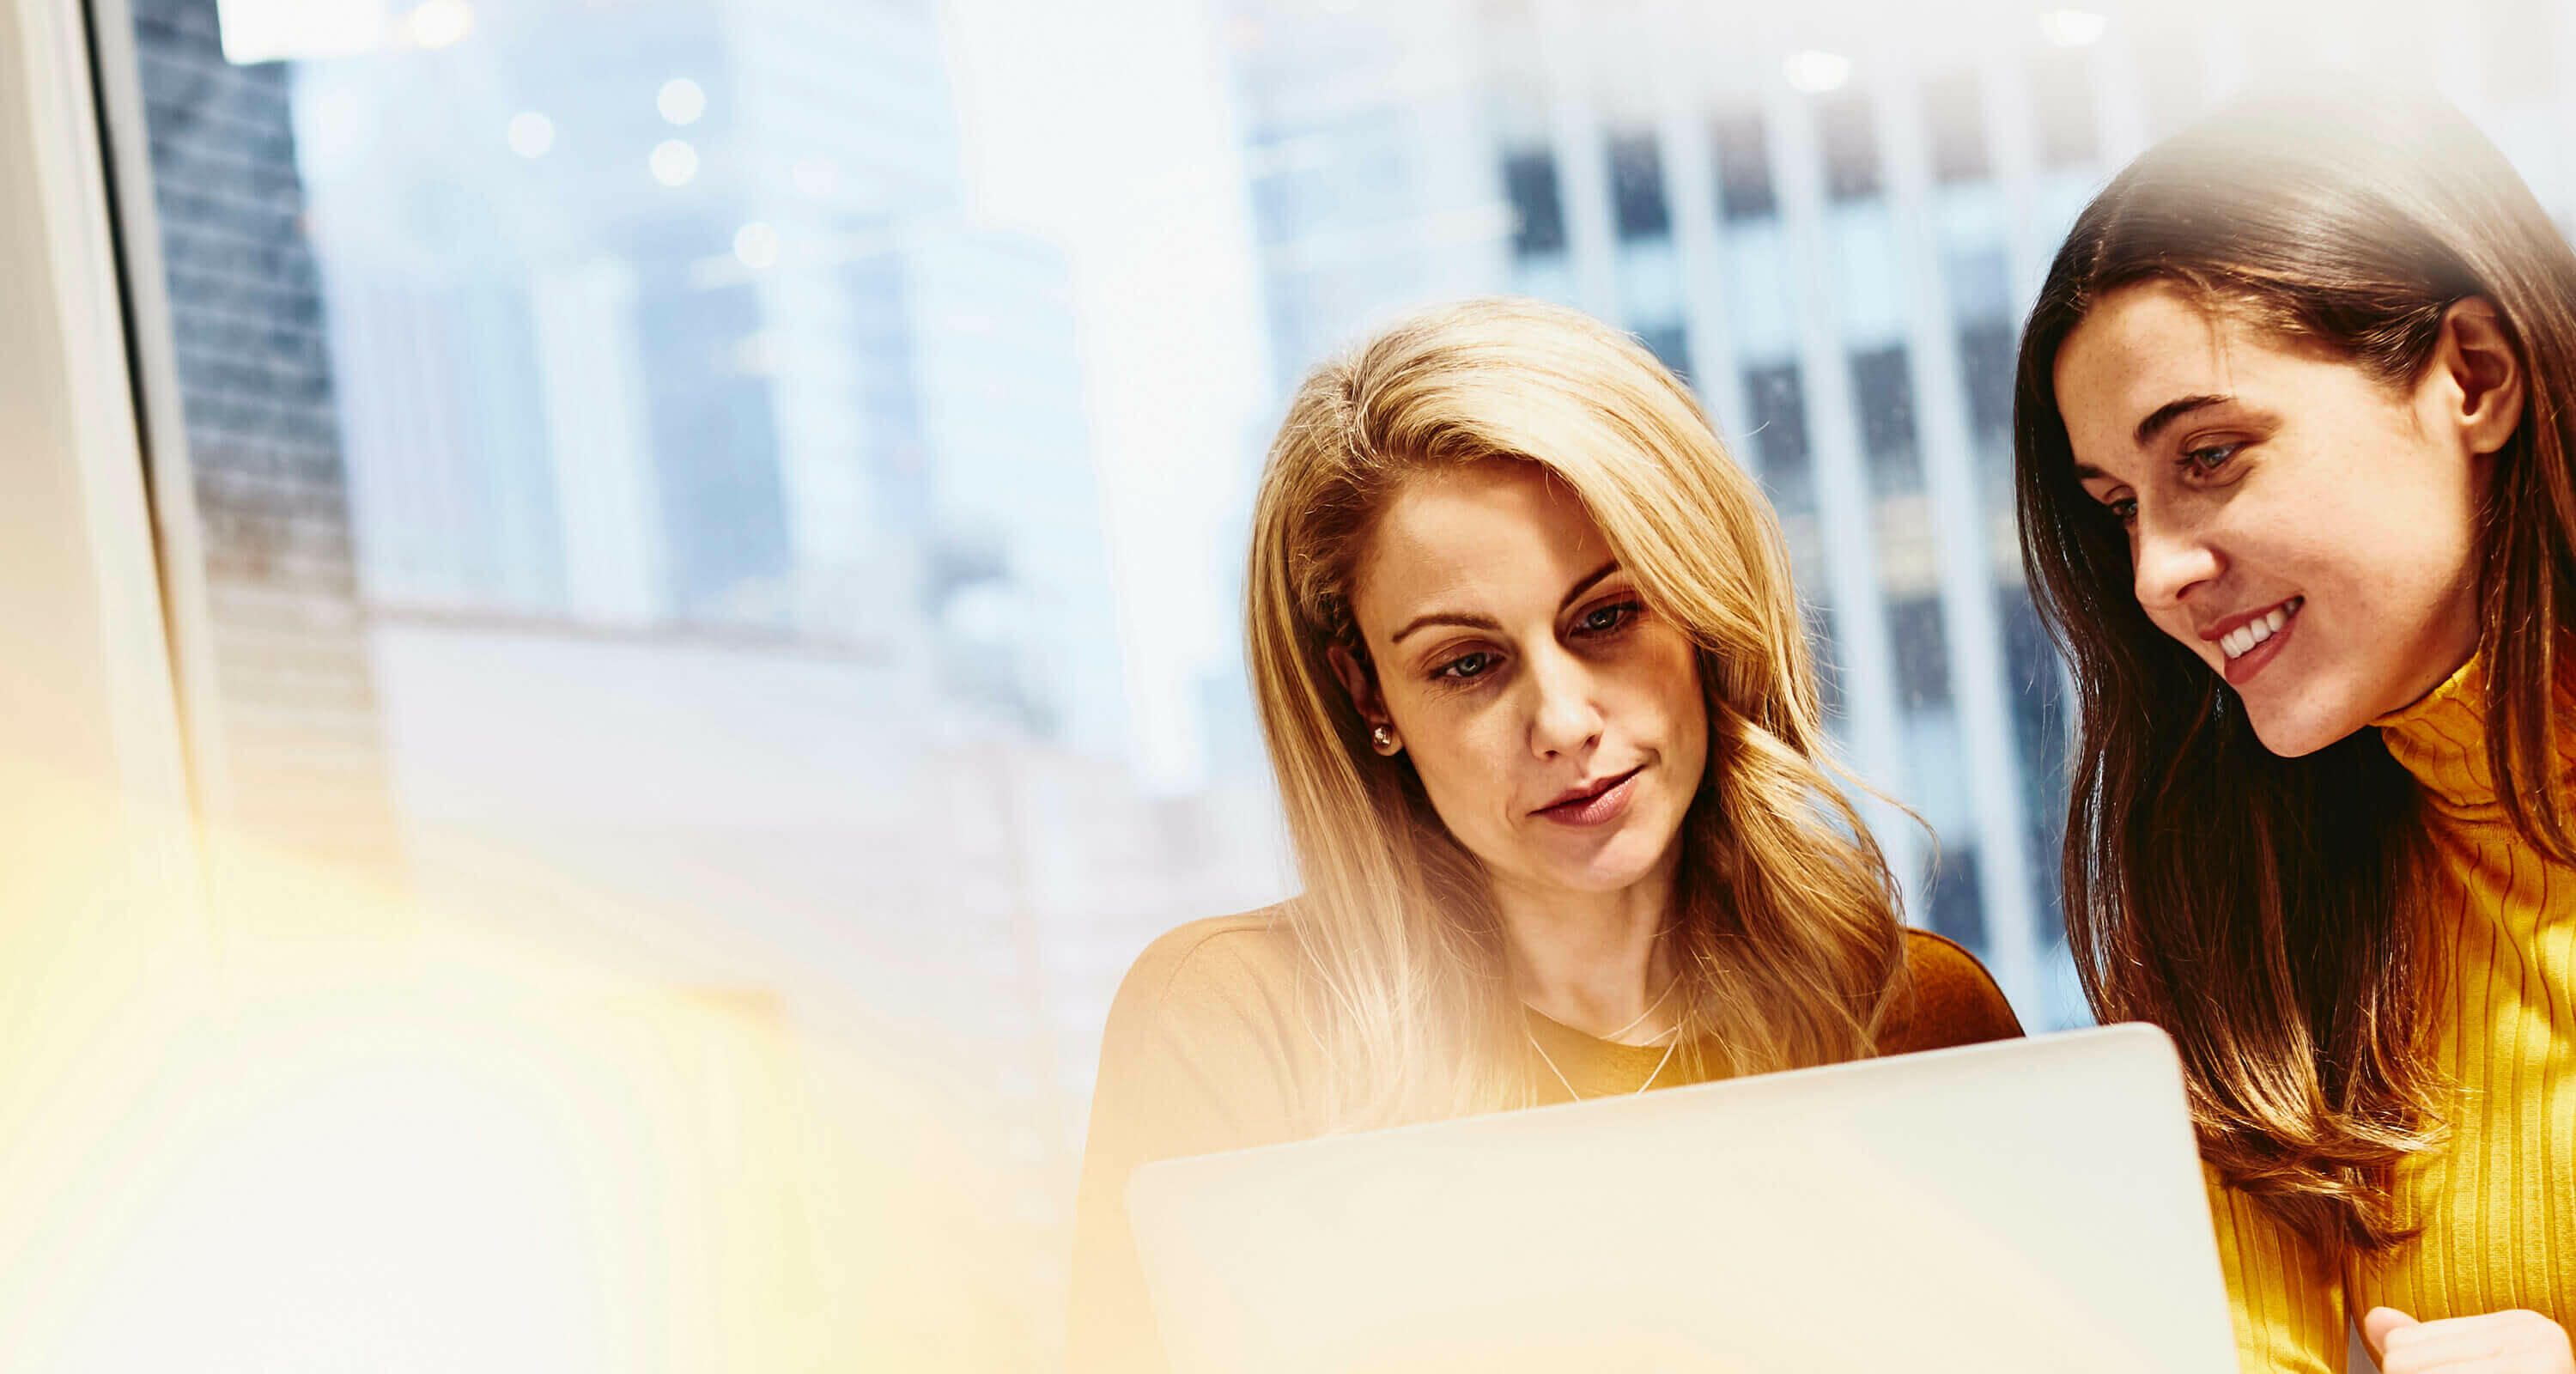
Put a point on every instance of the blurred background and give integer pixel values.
(716, 525)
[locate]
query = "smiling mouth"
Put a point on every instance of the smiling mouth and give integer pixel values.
(2243, 640)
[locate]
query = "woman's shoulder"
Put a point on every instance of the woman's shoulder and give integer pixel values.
(1206, 1047)
(1949, 999)
(1218, 960)
(1226, 986)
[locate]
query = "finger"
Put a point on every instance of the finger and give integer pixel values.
(2405, 1361)
(2444, 1345)
(2378, 1322)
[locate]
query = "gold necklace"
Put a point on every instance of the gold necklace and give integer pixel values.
(1651, 1008)
(1550, 1060)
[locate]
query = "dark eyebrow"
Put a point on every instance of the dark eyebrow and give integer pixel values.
(1472, 622)
(1479, 622)
(2171, 411)
(1585, 585)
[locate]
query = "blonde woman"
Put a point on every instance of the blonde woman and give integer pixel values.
(1534, 685)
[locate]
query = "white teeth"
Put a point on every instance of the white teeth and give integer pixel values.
(2238, 642)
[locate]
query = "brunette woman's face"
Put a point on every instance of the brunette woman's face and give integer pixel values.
(2306, 529)
(1556, 722)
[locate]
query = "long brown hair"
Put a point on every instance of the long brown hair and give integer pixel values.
(1785, 936)
(2262, 909)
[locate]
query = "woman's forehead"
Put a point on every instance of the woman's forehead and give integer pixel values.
(2147, 354)
(2143, 339)
(1483, 528)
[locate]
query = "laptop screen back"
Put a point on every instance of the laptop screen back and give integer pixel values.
(2028, 1205)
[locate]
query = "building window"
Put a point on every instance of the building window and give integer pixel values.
(1958, 905)
(1955, 123)
(1986, 366)
(2061, 99)
(1778, 404)
(1980, 282)
(1538, 215)
(2038, 704)
(1883, 389)
(1820, 646)
(2039, 718)
(1850, 145)
(1637, 187)
(1922, 652)
(1671, 346)
(1743, 166)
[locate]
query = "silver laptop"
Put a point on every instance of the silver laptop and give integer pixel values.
(2031, 1205)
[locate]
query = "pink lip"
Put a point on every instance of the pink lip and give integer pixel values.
(1594, 807)
(2241, 669)
(2219, 630)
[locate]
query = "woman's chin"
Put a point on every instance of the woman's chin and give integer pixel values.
(2297, 731)
(1616, 866)
(2297, 717)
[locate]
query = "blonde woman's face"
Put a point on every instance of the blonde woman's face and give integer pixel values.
(1555, 721)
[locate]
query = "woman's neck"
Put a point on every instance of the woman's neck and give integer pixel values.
(1595, 961)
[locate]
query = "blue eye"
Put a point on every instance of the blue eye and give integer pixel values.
(2208, 460)
(1603, 620)
(1466, 666)
(2125, 509)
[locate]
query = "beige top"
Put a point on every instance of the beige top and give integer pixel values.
(1205, 1051)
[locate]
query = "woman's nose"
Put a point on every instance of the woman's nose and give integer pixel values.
(1566, 716)
(2169, 560)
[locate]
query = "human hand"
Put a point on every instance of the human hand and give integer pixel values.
(2514, 1342)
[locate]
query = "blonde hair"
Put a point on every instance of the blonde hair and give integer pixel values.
(1785, 932)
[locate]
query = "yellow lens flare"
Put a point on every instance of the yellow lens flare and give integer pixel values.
(295, 1122)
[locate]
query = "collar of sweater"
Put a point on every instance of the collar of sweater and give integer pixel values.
(2442, 740)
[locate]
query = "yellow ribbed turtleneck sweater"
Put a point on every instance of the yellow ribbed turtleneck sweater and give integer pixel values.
(2497, 1204)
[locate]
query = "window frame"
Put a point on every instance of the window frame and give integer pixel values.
(106, 959)
(95, 690)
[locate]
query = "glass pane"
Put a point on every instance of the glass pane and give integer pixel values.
(1743, 165)
(1637, 186)
(727, 518)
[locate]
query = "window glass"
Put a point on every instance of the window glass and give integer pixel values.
(1637, 186)
(1538, 225)
(1922, 656)
(1883, 391)
(1743, 165)
(1989, 351)
(1958, 910)
(747, 501)
(1850, 140)
(1779, 432)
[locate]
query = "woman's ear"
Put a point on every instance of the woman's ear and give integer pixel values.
(2487, 382)
(1358, 679)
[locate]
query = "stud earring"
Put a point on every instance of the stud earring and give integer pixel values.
(1384, 739)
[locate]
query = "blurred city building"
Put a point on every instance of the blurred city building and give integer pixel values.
(633, 486)
(647, 506)
(286, 711)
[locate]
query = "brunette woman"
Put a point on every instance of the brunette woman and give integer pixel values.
(2293, 449)
(1538, 698)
